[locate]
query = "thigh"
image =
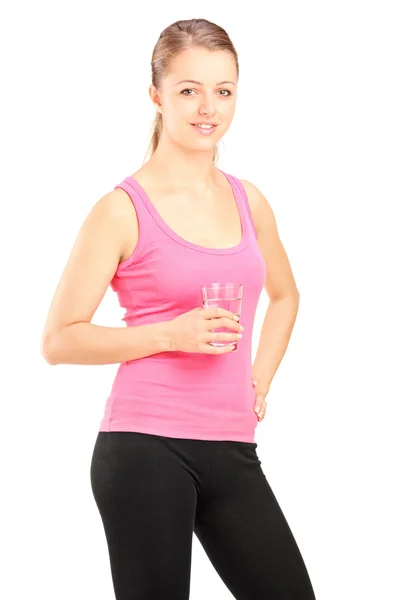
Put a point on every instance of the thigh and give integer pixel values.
(245, 533)
(147, 506)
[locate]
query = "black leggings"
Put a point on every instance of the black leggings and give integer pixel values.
(153, 491)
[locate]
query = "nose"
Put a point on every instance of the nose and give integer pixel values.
(207, 106)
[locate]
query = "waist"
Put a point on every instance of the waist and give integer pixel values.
(197, 398)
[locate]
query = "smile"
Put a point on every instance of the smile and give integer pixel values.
(205, 129)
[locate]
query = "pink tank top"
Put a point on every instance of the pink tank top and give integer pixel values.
(183, 394)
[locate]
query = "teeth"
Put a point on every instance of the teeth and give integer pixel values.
(204, 126)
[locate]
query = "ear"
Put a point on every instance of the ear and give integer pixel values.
(155, 97)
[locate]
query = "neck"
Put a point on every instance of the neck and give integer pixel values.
(183, 167)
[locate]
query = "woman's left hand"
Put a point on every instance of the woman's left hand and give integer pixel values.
(261, 403)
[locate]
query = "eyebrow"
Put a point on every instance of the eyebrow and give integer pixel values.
(200, 83)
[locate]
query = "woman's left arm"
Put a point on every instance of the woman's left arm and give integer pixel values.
(283, 296)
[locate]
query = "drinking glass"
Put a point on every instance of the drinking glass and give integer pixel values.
(226, 295)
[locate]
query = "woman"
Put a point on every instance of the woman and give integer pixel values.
(175, 452)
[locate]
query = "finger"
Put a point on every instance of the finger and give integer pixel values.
(224, 322)
(210, 349)
(218, 312)
(258, 405)
(221, 336)
(262, 412)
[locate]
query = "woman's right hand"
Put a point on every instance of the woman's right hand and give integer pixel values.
(191, 331)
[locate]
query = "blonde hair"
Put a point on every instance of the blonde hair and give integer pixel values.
(177, 37)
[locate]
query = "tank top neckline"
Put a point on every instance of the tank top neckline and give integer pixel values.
(165, 227)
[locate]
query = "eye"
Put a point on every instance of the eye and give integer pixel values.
(191, 90)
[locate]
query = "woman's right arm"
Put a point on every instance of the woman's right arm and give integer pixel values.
(69, 337)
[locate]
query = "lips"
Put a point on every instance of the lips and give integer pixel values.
(205, 131)
(214, 124)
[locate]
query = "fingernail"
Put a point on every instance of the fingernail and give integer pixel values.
(236, 317)
(257, 409)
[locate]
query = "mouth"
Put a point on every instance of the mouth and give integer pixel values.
(205, 128)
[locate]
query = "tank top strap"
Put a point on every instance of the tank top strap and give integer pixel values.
(244, 205)
(144, 222)
(150, 223)
(128, 185)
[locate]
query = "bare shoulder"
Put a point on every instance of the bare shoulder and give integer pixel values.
(260, 207)
(118, 205)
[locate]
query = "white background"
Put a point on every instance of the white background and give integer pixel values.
(317, 130)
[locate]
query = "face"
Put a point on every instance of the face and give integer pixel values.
(183, 103)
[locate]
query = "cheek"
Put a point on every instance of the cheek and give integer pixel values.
(175, 111)
(182, 107)
(228, 112)
(180, 118)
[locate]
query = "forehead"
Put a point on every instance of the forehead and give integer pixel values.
(203, 65)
